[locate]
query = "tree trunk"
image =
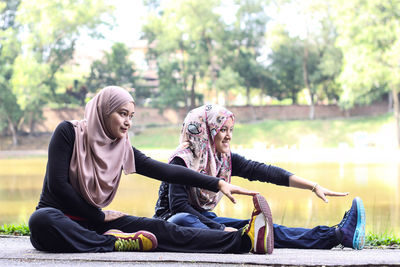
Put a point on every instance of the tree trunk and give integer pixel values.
(13, 131)
(307, 82)
(390, 102)
(182, 65)
(32, 125)
(294, 97)
(396, 114)
(212, 67)
(226, 98)
(192, 93)
(248, 95)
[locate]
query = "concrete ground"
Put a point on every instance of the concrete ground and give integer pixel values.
(18, 251)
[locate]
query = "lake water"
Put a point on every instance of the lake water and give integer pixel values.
(378, 184)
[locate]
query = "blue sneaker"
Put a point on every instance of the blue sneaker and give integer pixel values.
(351, 230)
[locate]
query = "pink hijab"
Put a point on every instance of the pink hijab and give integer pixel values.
(197, 149)
(97, 160)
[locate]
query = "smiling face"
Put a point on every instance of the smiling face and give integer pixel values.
(224, 136)
(120, 121)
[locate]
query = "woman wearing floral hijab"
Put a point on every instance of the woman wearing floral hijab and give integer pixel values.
(204, 147)
(85, 162)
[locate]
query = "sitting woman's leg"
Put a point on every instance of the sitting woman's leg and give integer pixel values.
(187, 220)
(320, 237)
(228, 222)
(52, 231)
(175, 238)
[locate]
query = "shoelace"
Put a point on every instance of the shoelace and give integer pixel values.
(245, 229)
(342, 222)
(123, 245)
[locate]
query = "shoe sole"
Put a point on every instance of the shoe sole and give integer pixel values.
(150, 236)
(359, 233)
(261, 204)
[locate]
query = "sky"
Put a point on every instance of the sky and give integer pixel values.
(129, 15)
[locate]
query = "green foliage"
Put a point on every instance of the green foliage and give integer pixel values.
(383, 239)
(193, 44)
(370, 39)
(15, 229)
(47, 31)
(114, 69)
(10, 47)
(248, 37)
(311, 60)
(286, 66)
(182, 37)
(228, 80)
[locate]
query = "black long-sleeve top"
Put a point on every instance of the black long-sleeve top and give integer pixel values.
(173, 198)
(58, 193)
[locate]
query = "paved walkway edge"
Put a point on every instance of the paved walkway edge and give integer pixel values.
(19, 249)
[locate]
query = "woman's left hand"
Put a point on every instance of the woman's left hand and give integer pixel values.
(322, 192)
(228, 189)
(111, 215)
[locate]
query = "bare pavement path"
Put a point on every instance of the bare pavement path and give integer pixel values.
(18, 251)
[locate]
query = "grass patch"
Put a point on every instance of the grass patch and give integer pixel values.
(328, 133)
(12, 229)
(384, 239)
(166, 137)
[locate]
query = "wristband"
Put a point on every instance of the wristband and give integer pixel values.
(315, 186)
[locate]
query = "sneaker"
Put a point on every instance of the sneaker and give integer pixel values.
(260, 229)
(139, 241)
(351, 230)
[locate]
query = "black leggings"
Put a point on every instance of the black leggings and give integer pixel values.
(52, 231)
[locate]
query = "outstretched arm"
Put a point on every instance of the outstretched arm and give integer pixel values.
(321, 192)
(254, 170)
(185, 176)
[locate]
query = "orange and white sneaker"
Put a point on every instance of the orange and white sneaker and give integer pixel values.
(138, 241)
(260, 229)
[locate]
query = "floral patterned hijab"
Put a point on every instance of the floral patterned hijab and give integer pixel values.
(197, 149)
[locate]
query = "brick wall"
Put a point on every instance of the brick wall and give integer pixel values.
(150, 116)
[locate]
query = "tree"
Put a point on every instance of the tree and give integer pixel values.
(248, 36)
(47, 33)
(369, 33)
(10, 113)
(115, 68)
(321, 58)
(286, 64)
(227, 81)
(183, 34)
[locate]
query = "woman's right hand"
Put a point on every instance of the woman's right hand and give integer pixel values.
(228, 189)
(111, 215)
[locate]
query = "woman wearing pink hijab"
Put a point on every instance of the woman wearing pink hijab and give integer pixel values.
(205, 147)
(85, 162)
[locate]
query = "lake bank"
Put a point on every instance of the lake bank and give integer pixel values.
(270, 155)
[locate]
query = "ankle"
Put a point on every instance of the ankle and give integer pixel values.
(246, 245)
(338, 234)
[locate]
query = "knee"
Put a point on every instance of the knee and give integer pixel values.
(41, 219)
(183, 218)
(188, 220)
